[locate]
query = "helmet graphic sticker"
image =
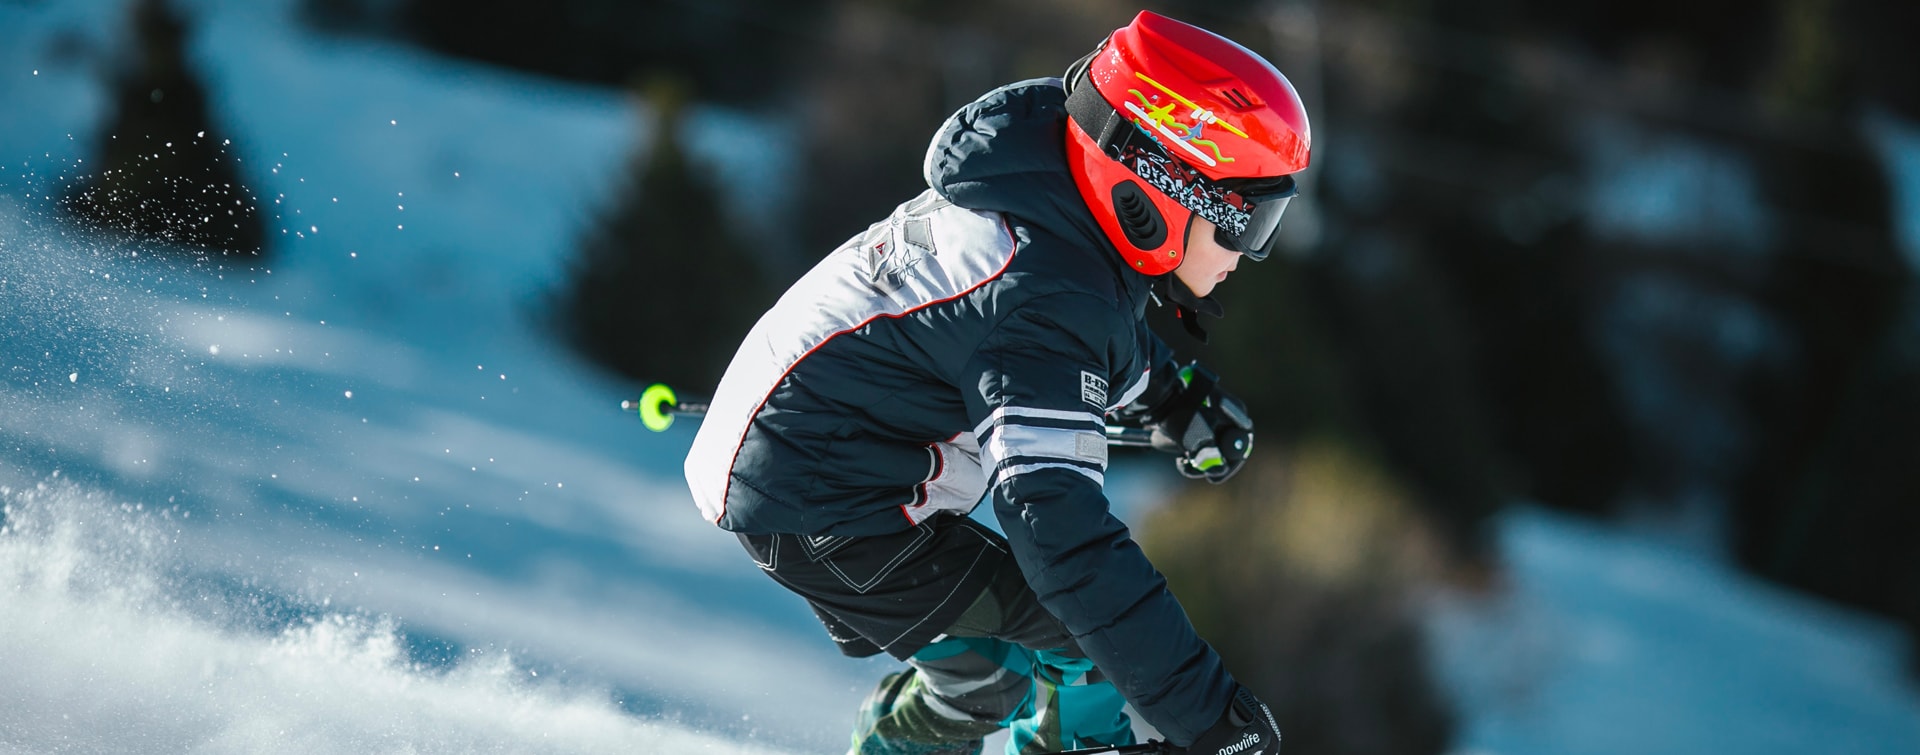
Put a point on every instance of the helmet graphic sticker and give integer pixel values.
(1161, 119)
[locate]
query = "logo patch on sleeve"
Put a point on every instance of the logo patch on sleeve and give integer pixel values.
(1093, 390)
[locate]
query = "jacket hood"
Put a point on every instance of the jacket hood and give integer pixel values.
(1006, 152)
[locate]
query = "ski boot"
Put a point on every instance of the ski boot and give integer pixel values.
(883, 729)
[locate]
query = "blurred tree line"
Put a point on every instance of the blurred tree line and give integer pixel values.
(1529, 298)
(1627, 258)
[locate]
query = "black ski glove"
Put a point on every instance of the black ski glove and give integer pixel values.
(1247, 728)
(1208, 429)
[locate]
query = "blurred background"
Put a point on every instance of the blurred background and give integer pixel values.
(1588, 374)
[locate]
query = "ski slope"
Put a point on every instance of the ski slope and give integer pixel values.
(1607, 641)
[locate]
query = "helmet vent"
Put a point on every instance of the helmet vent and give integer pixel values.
(1238, 98)
(1138, 218)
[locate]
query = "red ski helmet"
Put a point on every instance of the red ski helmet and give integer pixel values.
(1171, 120)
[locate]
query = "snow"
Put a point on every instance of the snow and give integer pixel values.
(1614, 641)
(359, 501)
(104, 655)
(1665, 187)
(1899, 144)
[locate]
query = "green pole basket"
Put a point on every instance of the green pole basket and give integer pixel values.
(654, 403)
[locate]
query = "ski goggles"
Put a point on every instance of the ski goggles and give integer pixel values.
(1245, 212)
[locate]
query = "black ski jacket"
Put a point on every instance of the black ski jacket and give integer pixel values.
(970, 344)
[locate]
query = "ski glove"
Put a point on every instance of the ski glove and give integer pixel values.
(1247, 728)
(1208, 429)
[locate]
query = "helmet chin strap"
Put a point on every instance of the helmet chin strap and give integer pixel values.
(1187, 306)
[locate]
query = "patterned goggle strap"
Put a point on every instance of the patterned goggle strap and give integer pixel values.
(1192, 190)
(1247, 222)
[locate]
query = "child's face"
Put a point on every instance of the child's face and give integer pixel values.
(1206, 262)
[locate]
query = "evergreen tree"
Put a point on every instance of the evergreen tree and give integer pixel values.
(164, 172)
(662, 290)
(1826, 501)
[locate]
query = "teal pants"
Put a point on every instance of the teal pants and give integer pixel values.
(1044, 698)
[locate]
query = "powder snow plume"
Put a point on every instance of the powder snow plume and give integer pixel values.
(110, 646)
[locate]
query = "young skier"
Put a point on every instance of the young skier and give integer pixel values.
(975, 344)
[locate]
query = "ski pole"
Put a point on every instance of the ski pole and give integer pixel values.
(1149, 747)
(658, 405)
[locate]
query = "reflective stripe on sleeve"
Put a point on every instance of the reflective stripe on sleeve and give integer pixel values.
(1017, 440)
(1013, 470)
(1025, 415)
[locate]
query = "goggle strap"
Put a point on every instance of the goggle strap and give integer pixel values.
(1110, 130)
